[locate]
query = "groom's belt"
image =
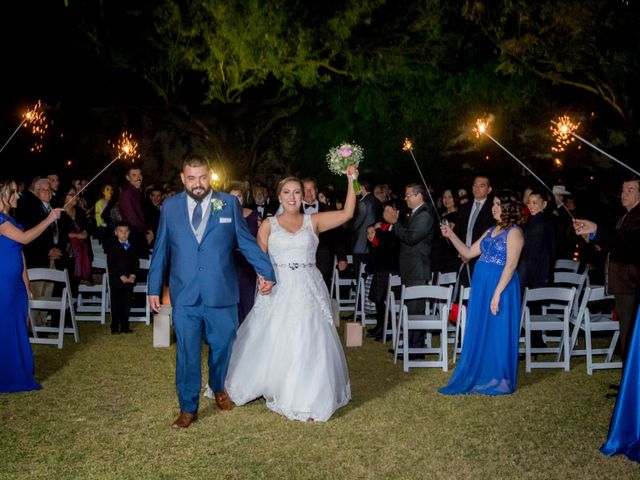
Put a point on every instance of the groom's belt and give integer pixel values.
(294, 265)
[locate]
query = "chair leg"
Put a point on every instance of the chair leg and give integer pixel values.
(587, 341)
(527, 345)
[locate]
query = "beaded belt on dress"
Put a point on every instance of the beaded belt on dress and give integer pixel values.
(294, 265)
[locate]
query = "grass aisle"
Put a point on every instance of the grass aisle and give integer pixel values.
(107, 403)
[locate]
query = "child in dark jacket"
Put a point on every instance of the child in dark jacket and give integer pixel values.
(122, 263)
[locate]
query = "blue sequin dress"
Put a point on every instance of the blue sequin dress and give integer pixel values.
(16, 357)
(489, 360)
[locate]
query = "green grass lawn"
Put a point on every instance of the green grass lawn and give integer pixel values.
(107, 403)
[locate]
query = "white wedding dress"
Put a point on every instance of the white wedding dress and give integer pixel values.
(287, 349)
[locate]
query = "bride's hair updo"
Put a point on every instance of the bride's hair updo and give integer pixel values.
(287, 180)
(511, 209)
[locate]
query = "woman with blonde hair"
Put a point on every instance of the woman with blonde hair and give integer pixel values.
(16, 358)
(287, 350)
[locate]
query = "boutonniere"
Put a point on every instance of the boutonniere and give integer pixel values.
(217, 204)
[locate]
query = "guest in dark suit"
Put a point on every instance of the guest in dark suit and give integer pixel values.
(474, 219)
(415, 236)
(367, 213)
(623, 272)
(123, 264)
(45, 251)
(539, 253)
(332, 242)
(262, 204)
(132, 210)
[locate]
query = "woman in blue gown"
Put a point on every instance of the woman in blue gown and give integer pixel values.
(489, 360)
(16, 357)
(624, 431)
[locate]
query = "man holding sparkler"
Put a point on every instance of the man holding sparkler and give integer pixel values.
(623, 269)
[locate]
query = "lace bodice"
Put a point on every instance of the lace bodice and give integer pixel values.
(494, 250)
(292, 251)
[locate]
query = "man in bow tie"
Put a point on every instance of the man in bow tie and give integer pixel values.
(198, 232)
(332, 242)
(262, 203)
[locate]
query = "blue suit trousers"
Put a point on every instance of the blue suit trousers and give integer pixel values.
(217, 325)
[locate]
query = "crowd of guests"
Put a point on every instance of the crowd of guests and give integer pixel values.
(498, 242)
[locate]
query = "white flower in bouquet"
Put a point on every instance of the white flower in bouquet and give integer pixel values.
(341, 157)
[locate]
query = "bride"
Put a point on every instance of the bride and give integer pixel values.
(287, 350)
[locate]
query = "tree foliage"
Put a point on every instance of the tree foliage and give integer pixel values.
(588, 45)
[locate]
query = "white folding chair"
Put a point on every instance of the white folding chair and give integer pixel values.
(60, 304)
(548, 322)
(93, 299)
(588, 322)
(566, 264)
(436, 318)
(340, 284)
(141, 288)
(391, 310)
(364, 309)
(461, 320)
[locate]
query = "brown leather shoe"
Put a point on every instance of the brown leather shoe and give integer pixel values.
(184, 420)
(223, 401)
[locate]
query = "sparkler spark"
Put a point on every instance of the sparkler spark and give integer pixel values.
(481, 129)
(562, 131)
(126, 146)
(35, 119)
(408, 147)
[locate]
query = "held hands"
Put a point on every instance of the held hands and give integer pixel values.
(264, 286)
(342, 265)
(495, 303)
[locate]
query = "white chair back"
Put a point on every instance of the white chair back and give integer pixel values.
(566, 264)
(60, 304)
(437, 301)
(391, 310)
(548, 322)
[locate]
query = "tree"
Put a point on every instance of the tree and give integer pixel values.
(587, 45)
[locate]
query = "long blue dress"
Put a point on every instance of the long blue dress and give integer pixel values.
(16, 357)
(489, 359)
(624, 431)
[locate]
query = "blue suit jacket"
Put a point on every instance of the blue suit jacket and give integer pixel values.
(206, 269)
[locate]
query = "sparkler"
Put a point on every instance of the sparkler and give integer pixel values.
(611, 157)
(481, 129)
(408, 147)
(561, 132)
(126, 148)
(36, 119)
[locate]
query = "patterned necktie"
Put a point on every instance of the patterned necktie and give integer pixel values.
(474, 215)
(196, 218)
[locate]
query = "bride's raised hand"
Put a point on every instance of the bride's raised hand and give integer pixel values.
(352, 171)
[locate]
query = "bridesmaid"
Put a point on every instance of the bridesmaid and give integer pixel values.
(16, 357)
(246, 273)
(489, 360)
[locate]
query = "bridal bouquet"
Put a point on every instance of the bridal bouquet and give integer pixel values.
(341, 157)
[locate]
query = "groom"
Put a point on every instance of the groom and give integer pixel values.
(198, 232)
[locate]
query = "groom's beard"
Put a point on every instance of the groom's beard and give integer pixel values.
(198, 193)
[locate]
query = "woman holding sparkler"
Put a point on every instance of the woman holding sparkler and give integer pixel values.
(16, 358)
(489, 360)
